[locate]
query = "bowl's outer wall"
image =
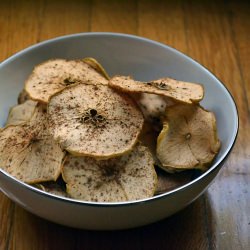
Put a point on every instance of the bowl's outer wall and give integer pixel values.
(127, 55)
(96, 217)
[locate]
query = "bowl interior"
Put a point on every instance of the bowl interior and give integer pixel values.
(128, 55)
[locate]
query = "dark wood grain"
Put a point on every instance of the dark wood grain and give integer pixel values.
(216, 48)
(218, 37)
(239, 20)
(216, 34)
(114, 16)
(60, 17)
(163, 21)
(6, 218)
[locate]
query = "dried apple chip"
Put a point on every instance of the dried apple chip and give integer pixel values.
(94, 120)
(92, 62)
(52, 188)
(28, 153)
(21, 113)
(188, 139)
(185, 92)
(148, 138)
(129, 177)
(153, 106)
(168, 182)
(54, 75)
(23, 97)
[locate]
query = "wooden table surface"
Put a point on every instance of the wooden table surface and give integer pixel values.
(216, 34)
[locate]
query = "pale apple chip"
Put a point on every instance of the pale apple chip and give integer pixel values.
(153, 106)
(94, 120)
(185, 92)
(27, 151)
(52, 76)
(97, 66)
(21, 113)
(188, 139)
(129, 177)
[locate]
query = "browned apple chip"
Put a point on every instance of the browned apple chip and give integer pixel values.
(52, 76)
(97, 66)
(28, 153)
(168, 182)
(180, 91)
(129, 177)
(21, 113)
(94, 120)
(23, 97)
(188, 139)
(148, 138)
(52, 188)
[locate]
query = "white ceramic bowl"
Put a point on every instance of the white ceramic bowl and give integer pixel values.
(144, 60)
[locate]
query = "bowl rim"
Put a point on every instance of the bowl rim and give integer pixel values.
(150, 199)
